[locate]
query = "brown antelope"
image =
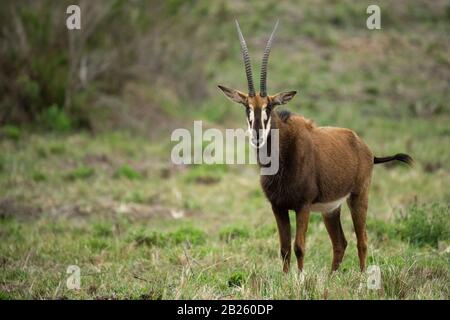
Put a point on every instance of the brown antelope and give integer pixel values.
(319, 167)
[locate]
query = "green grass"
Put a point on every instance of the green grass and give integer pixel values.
(139, 227)
(426, 225)
(11, 132)
(225, 245)
(126, 171)
(117, 261)
(123, 234)
(81, 172)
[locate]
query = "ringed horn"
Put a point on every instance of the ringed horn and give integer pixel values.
(265, 59)
(248, 65)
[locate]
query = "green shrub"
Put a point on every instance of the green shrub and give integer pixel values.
(422, 225)
(185, 234)
(55, 119)
(11, 229)
(44, 151)
(38, 176)
(102, 229)
(152, 238)
(237, 279)
(30, 88)
(426, 225)
(127, 172)
(80, 173)
(98, 244)
(188, 234)
(11, 132)
(5, 295)
(234, 232)
(383, 230)
(266, 230)
(40, 70)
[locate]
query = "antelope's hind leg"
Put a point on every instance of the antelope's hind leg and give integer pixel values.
(333, 224)
(358, 207)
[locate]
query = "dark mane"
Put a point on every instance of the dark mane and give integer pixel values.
(284, 115)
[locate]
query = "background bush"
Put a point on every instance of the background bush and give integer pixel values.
(426, 225)
(43, 65)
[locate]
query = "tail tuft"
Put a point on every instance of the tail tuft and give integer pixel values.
(404, 158)
(399, 156)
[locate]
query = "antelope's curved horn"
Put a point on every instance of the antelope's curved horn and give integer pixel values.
(265, 59)
(247, 63)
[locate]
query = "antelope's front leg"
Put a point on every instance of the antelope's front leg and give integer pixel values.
(302, 218)
(284, 232)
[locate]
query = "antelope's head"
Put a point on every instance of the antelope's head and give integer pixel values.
(258, 107)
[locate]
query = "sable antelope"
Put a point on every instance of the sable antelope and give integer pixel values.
(320, 167)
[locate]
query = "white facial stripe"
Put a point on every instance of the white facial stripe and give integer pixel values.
(266, 130)
(265, 123)
(263, 118)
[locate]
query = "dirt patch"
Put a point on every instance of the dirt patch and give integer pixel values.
(72, 211)
(207, 180)
(137, 211)
(97, 159)
(432, 166)
(111, 209)
(172, 170)
(10, 207)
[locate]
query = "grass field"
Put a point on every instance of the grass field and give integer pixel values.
(139, 227)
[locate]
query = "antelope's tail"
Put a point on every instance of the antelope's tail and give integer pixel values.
(399, 156)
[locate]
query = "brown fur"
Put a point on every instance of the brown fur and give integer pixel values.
(317, 165)
(321, 164)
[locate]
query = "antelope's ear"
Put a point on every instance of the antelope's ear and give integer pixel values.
(234, 95)
(282, 97)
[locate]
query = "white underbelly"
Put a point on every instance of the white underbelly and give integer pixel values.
(326, 207)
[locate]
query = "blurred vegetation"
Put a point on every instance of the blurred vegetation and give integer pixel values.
(425, 225)
(82, 183)
(51, 74)
(133, 60)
